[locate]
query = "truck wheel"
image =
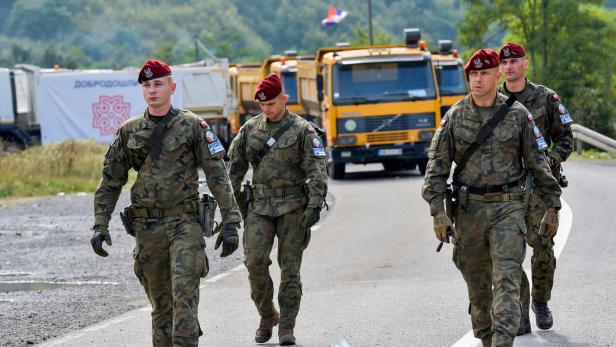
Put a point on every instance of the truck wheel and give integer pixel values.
(392, 165)
(409, 165)
(335, 170)
(422, 164)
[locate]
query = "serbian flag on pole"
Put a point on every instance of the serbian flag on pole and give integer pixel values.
(334, 16)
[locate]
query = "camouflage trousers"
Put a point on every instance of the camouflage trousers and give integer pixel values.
(169, 262)
(543, 261)
(489, 253)
(259, 233)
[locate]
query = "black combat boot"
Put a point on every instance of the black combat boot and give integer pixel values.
(264, 333)
(524, 325)
(285, 337)
(543, 315)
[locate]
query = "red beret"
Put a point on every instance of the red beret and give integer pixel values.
(511, 50)
(153, 69)
(483, 59)
(269, 88)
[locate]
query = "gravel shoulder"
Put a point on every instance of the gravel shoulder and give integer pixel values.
(45, 245)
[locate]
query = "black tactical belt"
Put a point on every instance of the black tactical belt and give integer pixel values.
(262, 192)
(189, 206)
(505, 188)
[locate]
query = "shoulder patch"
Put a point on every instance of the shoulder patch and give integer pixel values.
(444, 121)
(565, 117)
(539, 138)
(204, 124)
(213, 143)
(311, 130)
(530, 117)
(317, 148)
(555, 97)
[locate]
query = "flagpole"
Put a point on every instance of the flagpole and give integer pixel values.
(370, 21)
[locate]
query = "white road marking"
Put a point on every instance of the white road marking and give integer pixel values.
(221, 275)
(560, 240)
(128, 316)
(539, 339)
(342, 343)
(105, 324)
(64, 339)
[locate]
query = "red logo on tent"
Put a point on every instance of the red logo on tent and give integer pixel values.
(109, 113)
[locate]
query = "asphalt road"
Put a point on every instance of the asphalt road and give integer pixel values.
(371, 276)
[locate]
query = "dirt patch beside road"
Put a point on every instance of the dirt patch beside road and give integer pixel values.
(45, 248)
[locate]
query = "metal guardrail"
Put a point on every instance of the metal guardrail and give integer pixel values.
(593, 138)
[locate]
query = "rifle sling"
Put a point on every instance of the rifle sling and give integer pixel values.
(271, 141)
(484, 133)
(154, 144)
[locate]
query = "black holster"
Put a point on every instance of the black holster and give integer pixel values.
(557, 172)
(127, 221)
(246, 197)
(451, 201)
(206, 212)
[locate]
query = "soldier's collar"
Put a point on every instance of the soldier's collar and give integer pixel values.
(264, 124)
(523, 94)
(149, 124)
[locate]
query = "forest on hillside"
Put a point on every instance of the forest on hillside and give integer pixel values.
(116, 33)
(569, 42)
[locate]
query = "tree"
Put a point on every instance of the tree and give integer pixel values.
(362, 37)
(569, 45)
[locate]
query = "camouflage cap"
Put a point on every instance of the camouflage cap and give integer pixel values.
(482, 59)
(511, 50)
(153, 69)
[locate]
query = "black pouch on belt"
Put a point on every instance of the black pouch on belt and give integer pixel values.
(127, 220)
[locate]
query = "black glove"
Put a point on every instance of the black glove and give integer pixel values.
(310, 217)
(100, 233)
(228, 238)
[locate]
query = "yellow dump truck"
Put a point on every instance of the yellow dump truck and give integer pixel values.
(450, 74)
(244, 79)
(377, 104)
(285, 66)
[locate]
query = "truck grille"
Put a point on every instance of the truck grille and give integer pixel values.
(387, 137)
(398, 122)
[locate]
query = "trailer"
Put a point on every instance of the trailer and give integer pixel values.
(53, 105)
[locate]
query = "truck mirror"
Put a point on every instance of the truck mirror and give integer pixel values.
(320, 87)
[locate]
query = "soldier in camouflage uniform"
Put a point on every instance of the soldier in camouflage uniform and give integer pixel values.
(169, 254)
(489, 219)
(553, 120)
(290, 185)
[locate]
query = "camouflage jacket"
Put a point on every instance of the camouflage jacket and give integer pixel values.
(173, 178)
(296, 158)
(551, 116)
(498, 161)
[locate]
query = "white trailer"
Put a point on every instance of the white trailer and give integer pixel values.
(93, 104)
(17, 124)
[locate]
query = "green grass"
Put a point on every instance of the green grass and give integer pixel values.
(67, 167)
(594, 154)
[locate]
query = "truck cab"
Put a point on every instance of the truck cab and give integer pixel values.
(377, 104)
(450, 75)
(285, 66)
